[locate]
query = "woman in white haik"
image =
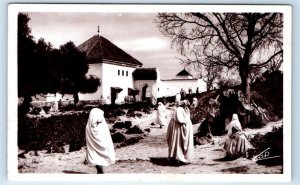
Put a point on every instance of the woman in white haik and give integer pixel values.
(234, 123)
(161, 114)
(100, 149)
(236, 144)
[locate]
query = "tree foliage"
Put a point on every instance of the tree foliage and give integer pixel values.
(26, 48)
(74, 67)
(44, 69)
(210, 75)
(244, 41)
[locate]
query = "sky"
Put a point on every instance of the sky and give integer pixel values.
(135, 33)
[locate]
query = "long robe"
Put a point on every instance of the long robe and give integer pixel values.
(180, 136)
(236, 143)
(100, 148)
(161, 114)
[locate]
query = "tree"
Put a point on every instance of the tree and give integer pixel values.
(47, 68)
(36, 67)
(74, 67)
(275, 64)
(43, 69)
(210, 75)
(26, 61)
(245, 41)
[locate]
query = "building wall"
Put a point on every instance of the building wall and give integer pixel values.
(152, 90)
(184, 77)
(172, 87)
(202, 85)
(116, 76)
(110, 76)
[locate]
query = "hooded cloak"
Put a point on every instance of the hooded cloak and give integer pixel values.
(100, 148)
(180, 136)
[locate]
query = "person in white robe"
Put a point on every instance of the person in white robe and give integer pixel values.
(194, 109)
(236, 144)
(180, 136)
(161, 114)
(177, 98)
(100, 149)
(234, 123)
(194, 103)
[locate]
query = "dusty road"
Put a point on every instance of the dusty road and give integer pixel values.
(149, 155)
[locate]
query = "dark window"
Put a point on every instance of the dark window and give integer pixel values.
(126, 73)
(118, 72)
(157, 89)
(122, 72)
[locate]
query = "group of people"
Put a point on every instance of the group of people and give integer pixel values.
(180, 139)
(129, 99)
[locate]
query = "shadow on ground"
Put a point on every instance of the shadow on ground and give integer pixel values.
(164, 161)
(225, 158)
(239, 169)
(72, 172)
(161, 161)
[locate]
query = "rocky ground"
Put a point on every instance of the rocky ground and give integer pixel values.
(149, 155)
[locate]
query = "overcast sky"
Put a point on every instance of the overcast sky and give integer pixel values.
(135, 33)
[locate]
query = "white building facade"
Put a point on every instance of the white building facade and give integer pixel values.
(112, 66)
(173, 86)
(113, 77)
(151, 87)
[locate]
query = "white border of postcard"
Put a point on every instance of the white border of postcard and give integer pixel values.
(12, 160)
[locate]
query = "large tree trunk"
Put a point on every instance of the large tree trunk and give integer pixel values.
(76, 98)
(208, 86)
(244, 63)
(244, 73)
(22, 126)
(24, 108)
(246, 87)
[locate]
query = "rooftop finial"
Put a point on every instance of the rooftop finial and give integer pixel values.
(98, 30)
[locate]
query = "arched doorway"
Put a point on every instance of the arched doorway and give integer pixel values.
(145, 89)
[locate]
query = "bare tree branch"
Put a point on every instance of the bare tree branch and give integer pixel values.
(229, 40)
(267, 61)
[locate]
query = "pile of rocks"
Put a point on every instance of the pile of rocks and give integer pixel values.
(123, 133)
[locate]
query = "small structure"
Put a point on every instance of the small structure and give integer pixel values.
(151, 86)
(183, 81)
(147, 82)
(184, 74)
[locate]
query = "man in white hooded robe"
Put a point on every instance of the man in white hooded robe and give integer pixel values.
(180, 136)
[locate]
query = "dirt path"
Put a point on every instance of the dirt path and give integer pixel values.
(149, 155)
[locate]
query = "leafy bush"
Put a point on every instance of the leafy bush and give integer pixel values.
(46, 133)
